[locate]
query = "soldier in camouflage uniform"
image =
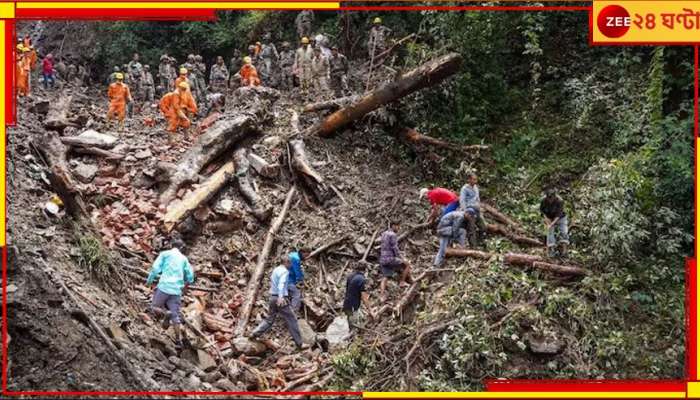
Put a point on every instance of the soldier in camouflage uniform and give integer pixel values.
(268, 60)
(234, 66)
(164, 73)
(201, 73)
(302, 65)
(321, 71)
(135, 70)
(286, 67)
(303, 22)
(339, 72)
(376, 44)
(218, 76)
(191, 73)
(149, 90)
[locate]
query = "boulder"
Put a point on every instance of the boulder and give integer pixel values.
(205, 361)
(227, 386)
(546, 345)
(85, 172)
(338, 332)
(212, 377)
(97, 139)
(248, 347)
(143, 154)
(308, 335)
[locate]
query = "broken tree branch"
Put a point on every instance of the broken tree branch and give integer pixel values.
(309, 177)
(217, 139)
(54, 152)
(254, 282)
(326, 247)
(428, 74)
(57, 116)
(332, 104)
(419, 340)
(494, 213)
(522, 260)
(182, 209)
(240, 159)
(262, 167)
(96, 151)
(414, 137)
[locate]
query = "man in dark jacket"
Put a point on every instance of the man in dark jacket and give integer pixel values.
(552, 207)
(355, 295)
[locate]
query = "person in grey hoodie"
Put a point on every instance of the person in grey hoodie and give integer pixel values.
(450, 229)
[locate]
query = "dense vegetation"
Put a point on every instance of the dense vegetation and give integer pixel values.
(610, 127)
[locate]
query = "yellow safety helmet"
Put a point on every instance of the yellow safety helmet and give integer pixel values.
(304, 40)
(20, 47)
(183, 70)
(26, 49)
(183, 85)
(119, 76)
(247, 60)
(257, 43)
(377, 20)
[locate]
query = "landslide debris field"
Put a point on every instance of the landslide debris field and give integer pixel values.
(271, 169)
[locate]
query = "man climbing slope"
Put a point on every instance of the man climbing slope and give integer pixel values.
(552, 208)
(119, 95)
(355, 295)
(450, 229)
(174, 273)
(390, 261)
(279, 305)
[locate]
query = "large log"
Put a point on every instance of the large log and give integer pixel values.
(414, 137)
(513, 237)
(494, 213)
(178, 211)
(520, 260)
(309, 177)
(240, 159)
(57, 117)
(254, 282)
(217, 139)
(62, 182)
(428, 74)
(332, 104)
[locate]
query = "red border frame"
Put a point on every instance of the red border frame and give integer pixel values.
(491, 385)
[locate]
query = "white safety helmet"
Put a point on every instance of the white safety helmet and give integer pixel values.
(423, 193)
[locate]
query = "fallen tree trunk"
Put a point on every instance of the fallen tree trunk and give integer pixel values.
(414, 137)
(514, 237)
(179, 211)
(332, 104)
(326, 247)
(543, 264)
(521, 260)
(428, 74)
(240, 159)
(217, 139)
(411, 293)
(57, 117)
(86, 142)
(502, 218)
(54, 152)
(262, 167)
(254, 282)
(309, 177)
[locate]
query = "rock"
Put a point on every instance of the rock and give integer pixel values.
(544, 345)
(129, 158)
(117, 333)
(308, 335)
(272, 141)
(143, 154)
(98, 139)
(205, 361)
(192, 383)
(40, 107)
(247, 346)
(85, 172)
(338, 332)
(227, 386)
(212, 377)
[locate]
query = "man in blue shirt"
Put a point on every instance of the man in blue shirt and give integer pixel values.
(296, 276)
(175, 274)
(279, 294)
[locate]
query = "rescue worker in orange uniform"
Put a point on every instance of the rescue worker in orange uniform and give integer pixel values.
(119, 94)
(184, 77)
(249, 75)
(23, 68)
(176, 106)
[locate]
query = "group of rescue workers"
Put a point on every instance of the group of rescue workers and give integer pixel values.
(459, 220)
(316, 69)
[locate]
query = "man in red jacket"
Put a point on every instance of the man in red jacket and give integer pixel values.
(440, 198)
(47, 71)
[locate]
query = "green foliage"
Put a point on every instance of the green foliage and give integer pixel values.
(352, 366)
(93, 257)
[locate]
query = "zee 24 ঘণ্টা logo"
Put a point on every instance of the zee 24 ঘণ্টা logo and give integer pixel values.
(614, 21)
